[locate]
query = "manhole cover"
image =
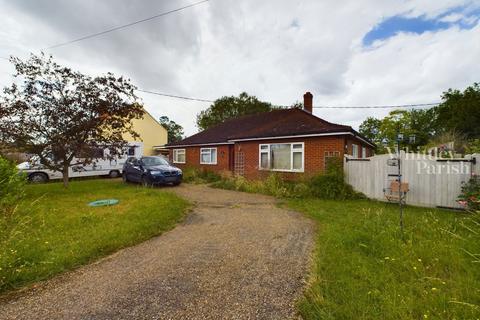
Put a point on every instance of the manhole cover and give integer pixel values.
(106, 202)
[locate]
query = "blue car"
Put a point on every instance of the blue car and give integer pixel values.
(151, 171)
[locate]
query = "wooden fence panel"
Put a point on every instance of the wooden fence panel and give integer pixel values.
(433, 182)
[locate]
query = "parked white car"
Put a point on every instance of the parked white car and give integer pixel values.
(101, 166)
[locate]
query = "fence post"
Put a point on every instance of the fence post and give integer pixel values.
(476, 164)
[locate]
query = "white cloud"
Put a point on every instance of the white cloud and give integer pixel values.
(432, 9)
(274, 49)
(454, 17)
(411, 68)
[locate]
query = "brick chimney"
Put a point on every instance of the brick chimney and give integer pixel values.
(308, 102)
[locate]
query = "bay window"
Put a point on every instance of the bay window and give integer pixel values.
(178, 155)
(282, 157)
(208, 156)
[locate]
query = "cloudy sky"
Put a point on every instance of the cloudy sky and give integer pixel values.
(347, 53)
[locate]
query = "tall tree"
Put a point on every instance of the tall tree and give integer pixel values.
(370, 128)
(418, 123)
(175, 131)
(60, 115)
(231, 107)
(460, 112)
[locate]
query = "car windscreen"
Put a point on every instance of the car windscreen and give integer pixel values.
(154, 161)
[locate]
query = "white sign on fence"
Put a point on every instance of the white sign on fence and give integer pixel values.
(432, 181)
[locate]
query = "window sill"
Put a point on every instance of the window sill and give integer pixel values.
(282, 170)
(209, 164)
(178, 162)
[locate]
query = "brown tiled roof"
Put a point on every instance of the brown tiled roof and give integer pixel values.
(277, 123)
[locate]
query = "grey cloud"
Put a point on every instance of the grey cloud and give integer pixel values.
(273, 49)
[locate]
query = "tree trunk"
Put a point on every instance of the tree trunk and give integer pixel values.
(65, 176)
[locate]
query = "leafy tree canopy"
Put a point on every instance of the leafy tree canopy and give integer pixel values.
(231, 107)
(175, 131)
(60, 115)
(460, 112)
(418, 123)
(456, 119)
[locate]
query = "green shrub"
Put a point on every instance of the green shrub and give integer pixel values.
(470, 196)
(473, 146)
(301, 190)
(240, 184)
(331, 184)
(195, 175)
(12, 185)
(274, 185)
(227, 184)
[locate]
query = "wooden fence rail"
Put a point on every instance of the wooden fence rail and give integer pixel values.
(433, 182)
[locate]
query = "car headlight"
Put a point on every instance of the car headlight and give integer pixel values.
(179, 172)
(155, 172)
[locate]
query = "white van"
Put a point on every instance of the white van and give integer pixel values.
(100, 166)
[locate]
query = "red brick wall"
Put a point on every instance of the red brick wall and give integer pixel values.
(360, 144)
(314, 155)
(192, 158)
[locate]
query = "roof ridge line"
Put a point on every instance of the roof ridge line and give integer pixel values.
(323, 120)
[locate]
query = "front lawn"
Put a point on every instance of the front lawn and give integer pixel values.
(365, 269)
(54, 230)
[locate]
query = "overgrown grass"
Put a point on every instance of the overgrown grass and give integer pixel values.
(328, 185)
(324, 186)
(273, 185)
(364, 268)
(54, 230)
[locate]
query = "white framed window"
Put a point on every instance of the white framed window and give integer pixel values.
(364, 152)
(208, 156)
(179, 156)
(281, 157)
(354, 150)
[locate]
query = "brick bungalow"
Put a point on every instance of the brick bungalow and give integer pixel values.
(290, 141)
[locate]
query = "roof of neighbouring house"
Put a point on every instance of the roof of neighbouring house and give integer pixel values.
(277, 123)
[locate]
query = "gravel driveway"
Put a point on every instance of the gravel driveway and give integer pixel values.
(236, 256)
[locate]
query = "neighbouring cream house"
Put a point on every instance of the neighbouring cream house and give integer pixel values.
(153, 136)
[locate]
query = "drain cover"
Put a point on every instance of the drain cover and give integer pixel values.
(106, 202)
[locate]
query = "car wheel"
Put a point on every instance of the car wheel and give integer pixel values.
(124, 178)
(114, 174)
(38, 177)
(145, 182)
(177, 183)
